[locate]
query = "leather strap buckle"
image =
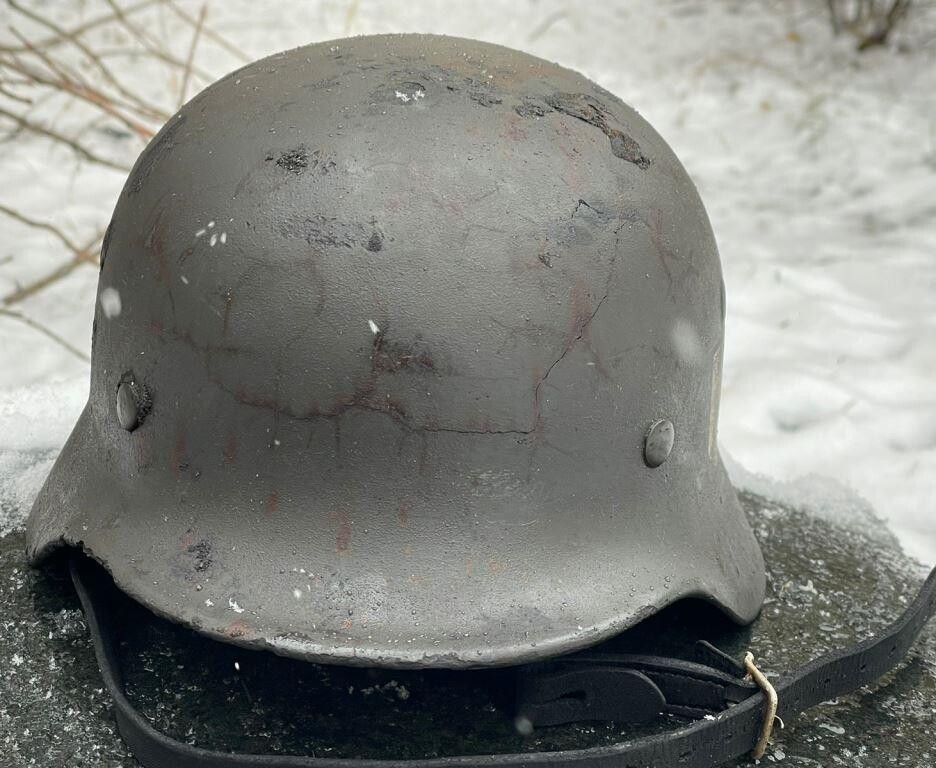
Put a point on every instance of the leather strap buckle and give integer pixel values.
(771, 702)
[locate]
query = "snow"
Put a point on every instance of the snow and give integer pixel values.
(817, 165)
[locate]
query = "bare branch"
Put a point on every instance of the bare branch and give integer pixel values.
(45, 331)
(81, 90)
(149, 45)
(150, 110)
(210, 33)
(186, 75)
(83, 152)
(84, 256)
(45, 225)
(69, 35)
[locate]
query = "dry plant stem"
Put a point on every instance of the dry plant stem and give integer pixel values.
(62, 139)
(52, 42)
(35, 224)
(84, 256)
(14, 96)
(209, 33)
(148, 109)
(83, 92)
(151, 46)
(45, 331)
(80, 255)
(187, 74)
(77, 85)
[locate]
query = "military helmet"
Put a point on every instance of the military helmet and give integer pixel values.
(407, 352)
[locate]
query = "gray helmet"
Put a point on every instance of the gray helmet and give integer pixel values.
(407, 353)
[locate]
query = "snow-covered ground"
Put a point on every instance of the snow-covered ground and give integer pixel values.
(817, 165)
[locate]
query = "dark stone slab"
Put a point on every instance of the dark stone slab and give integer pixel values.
(831, 582)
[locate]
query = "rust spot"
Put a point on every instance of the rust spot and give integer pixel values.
(469, 567)
(581, 310)
(256, 400)
(416, 580)
(403, 514)
(408, 551)
(228, 301)
(187, 539)
(494, 567)
(347, 624)
(230, 448)
(343, 537)
(142, 448)
(237, 628)
(478, 424)
(272, 502)
(514, 129)
(390, 357)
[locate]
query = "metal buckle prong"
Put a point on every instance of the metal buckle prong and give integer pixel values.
(770, 711)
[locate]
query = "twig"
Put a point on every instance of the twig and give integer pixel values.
(149, 45)
(33, 288)
(66, 240)
(186, 75)
(150, 110)
(14, 96)
(87, 154)
(84, 256)
(80, 90)
(210, 33)
(45, 331)
(51, 42)
(67, 76)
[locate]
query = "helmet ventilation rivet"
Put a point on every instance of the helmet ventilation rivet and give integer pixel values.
(658, 444)
(133, 402)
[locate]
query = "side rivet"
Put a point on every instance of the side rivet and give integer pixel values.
(133, 402)
(658, 444)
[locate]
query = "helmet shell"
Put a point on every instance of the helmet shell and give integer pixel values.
(396, 314)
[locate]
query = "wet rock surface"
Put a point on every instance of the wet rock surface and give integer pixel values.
(830, 583)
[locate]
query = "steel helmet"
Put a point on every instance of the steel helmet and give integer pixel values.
(407, 352)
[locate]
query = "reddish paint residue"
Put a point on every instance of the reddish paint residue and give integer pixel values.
(343, 538)
(230, 448)
(178, 455)
(271, 504)
(187, 540)
(156, 245)
(228, 300)
(237, 628)
(403, 514)
(514, 129)
(142, 448)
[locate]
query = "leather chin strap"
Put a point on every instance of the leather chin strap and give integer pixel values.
(625, 688)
